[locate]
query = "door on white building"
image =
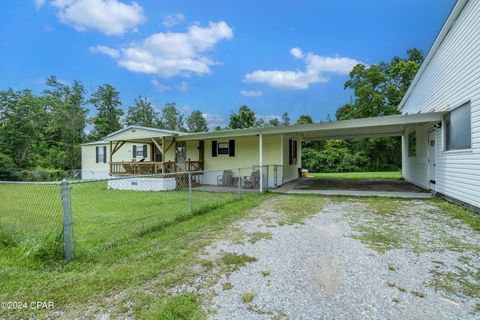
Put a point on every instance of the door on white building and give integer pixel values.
(431, 159)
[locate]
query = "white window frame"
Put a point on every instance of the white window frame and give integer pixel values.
(444, 131)
(227, 148)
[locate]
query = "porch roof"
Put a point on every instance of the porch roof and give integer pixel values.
(367, 127)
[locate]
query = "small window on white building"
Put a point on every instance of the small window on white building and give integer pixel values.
(458, 128)
(412, 144)
(101, 154)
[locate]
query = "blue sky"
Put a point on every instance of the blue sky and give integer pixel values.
(273, 56)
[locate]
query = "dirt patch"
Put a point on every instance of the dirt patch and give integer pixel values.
(390, 185)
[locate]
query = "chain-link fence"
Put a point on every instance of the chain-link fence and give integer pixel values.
(31, 215)
(107, 213)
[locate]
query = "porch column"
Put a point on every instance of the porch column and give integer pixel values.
(260, 138)
(110, 158)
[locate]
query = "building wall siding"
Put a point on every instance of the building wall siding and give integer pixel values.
(451, 79)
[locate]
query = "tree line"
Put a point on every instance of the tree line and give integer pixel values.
(45, 131)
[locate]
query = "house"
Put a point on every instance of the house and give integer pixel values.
(439, 125)
(445, 156)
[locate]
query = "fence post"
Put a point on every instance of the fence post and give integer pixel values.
(239, 182)
(190, 191)
(66, 220)
(267, 186)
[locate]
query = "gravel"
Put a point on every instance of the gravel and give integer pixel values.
(318, 271)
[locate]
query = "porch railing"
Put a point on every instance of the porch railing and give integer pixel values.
(145, 167)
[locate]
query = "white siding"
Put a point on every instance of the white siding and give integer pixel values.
(451, 79)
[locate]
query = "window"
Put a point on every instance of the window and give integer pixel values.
(412, 144)
(458, 128)
(223, 148)
(292, 151)
(101, 154)
(140, 151)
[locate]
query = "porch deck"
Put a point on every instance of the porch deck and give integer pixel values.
(133, 168)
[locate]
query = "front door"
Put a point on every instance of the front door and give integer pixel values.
(180, 154)
(431, 159)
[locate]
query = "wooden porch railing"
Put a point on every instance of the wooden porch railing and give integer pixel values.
(150, 167)
(139, 168)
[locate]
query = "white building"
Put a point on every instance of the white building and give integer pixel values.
(445, 156)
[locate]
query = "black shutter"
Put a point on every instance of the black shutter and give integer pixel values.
(104, 154)
(231, 148)
(96, 154)
(134, 151)
(145, 151)
(290, 160)
(214, 148)
(294, 155)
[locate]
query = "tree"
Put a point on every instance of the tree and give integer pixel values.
(142, 114)
(67, 121)
(171, 118)
(304, 119)
(107, 102)
(285, 119)
(245, 118)
(196, 122)
(274, 122)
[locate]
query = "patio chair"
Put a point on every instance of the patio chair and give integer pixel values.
(226, 179)
(253, 181)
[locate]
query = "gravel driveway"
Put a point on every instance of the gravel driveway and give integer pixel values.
(347, 259)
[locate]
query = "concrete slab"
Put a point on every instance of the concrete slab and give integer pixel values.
(356, 193)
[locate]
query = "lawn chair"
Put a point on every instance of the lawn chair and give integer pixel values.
(226, 179)
(253, 181)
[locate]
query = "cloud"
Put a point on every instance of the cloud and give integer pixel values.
(159, 87)
(315, 71)
(111, 17)
(214, 120)
(113, 53)
(39, 4)
(173, 20)
(251, 93)
(172, 54)
(182, 87)
(268, 117)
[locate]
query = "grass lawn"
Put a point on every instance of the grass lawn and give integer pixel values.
(124, 240)
(358, 175)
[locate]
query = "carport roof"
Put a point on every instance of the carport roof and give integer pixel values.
(366, 127)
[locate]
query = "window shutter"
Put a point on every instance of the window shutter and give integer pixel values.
(231, 148)
(214, 148)
(290, 160)
(104, 154)
(134, 151)
(96, 154)
(145, 151)
(294, 155)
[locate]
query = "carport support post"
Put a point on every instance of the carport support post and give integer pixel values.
(260, 137)
(190, 191)
(66, 220)
(239, 182)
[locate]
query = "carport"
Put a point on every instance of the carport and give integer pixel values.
(387, 126)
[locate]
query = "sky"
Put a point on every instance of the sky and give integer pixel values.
(273, 55)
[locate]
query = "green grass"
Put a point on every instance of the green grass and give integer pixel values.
(248, 297)
(296, 208)
(358, 175)
(236, 261)
(125, 239)
(259, 235)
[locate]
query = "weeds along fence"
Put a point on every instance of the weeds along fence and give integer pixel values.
(77, 218)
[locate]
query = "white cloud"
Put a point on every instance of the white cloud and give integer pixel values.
(158, 86)
(182, 87)
(39, 4)
(111, 17)
(315, 71)
(173, 20)
(251, 93)
(214, 120)
(172, 54)
(297, 53)
(114, 53)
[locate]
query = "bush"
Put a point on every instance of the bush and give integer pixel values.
(42, 174)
